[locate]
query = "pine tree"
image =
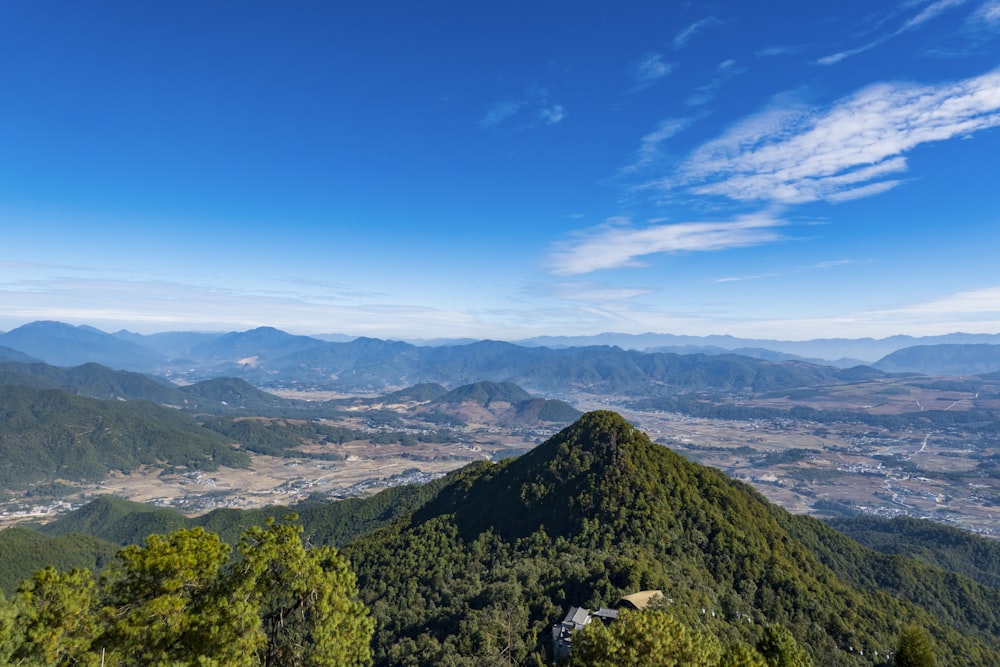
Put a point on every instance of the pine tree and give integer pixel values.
(914, 648)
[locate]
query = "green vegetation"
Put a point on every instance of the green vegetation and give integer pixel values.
(484, 393)
(599, 511)
(944, 547)
(24, 551)
(474, 568)
(915, 648)
(49, 434)
(182, 599)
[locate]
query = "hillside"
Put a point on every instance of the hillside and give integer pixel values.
(223, 395)
(502, 403)
(50, 434)
(932, 543)
(599, 511)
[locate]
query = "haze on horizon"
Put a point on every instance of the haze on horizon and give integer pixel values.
(785, 171)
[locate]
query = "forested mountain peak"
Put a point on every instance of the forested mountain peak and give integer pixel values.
(599, 471)
(599, 511)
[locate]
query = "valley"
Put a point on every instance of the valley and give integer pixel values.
(873, 447)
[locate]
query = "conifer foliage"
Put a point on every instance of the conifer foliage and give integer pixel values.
(181, 600)
(914, 648)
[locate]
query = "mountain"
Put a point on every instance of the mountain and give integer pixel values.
(831, 350)
(91, 380)
(269, 357)
(66, 345)
(234, 395)
(419, 393)
(598, 511)
(503, 403)
(172, 345)
(368, 364)
(485, 393)
(248, 348)
(50, 434)
(969, 359)
(215, 396)
(10, 354)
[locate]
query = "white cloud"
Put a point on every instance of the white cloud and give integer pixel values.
(534, 105)
(794, 154)
(971, 304)
(820, 266)
(618, 243)
(649, 145)
(706, 92)
(682, 38)
(550, 115)
(929, 12)
(988, 14)
(591, 293)
(773, 51)
(498, 113)
(649, 70)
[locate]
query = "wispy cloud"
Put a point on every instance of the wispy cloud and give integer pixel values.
(684, 37)
(499, 112)
(533, 108)
(980, 302)
(591, 293)
(618, 243)
(928, 13)
(795, 154)
(705, 93)
(772, 51)
(819, 266)
(988, 13)
(160, 305)
(649, 145)
(648, 71)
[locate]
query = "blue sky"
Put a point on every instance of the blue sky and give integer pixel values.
(785, 170)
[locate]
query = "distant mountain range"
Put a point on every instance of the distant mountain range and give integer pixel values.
(608, 363)
(838, 351)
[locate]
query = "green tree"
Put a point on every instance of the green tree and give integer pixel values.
(741, 655)
(308, 600)
(780, 649)
(167, 602)
(55, 612)
(180, 600)
(651, 638)
(914, 648)
(10, 631)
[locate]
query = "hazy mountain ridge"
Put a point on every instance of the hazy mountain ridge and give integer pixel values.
(65, 345)
(953, 359)
(620, 363)
(866, 350)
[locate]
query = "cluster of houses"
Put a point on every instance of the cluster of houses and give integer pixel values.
(578, 617)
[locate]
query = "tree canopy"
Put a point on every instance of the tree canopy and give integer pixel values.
(182, 599)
